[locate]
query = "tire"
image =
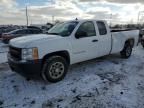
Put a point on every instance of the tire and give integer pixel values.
(54, 69)
(142, 43)
(127, 51)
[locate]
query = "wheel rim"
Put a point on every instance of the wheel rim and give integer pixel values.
(56, 70)
(128, 51)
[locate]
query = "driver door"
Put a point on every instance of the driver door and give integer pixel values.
(83, 44)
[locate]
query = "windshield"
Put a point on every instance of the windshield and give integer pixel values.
(14, 31)
(63, 29)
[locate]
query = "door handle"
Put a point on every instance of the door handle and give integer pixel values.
(94, 40)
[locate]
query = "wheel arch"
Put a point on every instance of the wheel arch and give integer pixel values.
(65, 54)
(131, 41)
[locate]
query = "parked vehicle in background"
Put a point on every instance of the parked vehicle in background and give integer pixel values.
(34, 27)
(6, 37)
(5, 30)
(44, 27)
(0, 33)
(142, 37)
(50, 55)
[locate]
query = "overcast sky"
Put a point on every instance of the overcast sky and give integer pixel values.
(41, 11)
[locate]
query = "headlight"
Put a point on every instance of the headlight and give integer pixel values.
(30, 54)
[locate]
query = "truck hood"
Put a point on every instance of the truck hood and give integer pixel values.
(23, 42)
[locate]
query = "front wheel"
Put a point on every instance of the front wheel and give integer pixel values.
(127, 51)
(54, 69)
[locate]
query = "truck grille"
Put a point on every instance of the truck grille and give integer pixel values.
(15, 53)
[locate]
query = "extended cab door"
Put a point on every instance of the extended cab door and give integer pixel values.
(104, 38)
(84, 42)
(92, 39)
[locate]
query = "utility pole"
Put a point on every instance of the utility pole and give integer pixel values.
(111, 19)
(139, 14)
(27, 20)
(138, 17)
(53, 17)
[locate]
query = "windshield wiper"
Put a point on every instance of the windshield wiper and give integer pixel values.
(53, 33)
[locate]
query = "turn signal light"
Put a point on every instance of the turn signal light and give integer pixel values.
(35, 54)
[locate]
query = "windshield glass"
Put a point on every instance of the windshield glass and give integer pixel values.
(14, 31)
(63, 29)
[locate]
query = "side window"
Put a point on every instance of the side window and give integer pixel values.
(27, 31)
(87, 29)
(102, 28)
(24, 31)
(20, 32)
(31, 31)
(35, 31)
(16, 32)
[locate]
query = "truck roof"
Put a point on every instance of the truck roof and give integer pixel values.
(84, 20)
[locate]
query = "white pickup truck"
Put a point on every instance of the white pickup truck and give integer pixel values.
(49, 55)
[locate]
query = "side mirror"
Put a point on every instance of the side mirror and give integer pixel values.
(80, 34)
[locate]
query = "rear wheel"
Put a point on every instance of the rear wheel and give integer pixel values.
(142, 43)
(54, 69)
(127, 51)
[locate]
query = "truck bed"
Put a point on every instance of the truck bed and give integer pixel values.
(120, 36)
(120, 30)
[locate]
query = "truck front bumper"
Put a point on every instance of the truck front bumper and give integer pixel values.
(28, 69)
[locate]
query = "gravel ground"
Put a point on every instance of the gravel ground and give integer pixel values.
(3, 52)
